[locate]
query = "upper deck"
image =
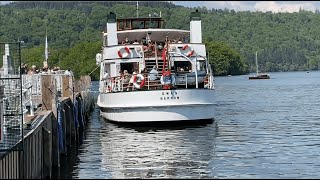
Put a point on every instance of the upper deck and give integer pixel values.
(139, 23)
(142, 29)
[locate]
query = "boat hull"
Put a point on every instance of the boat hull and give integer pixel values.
(260, 77)
(157, 106)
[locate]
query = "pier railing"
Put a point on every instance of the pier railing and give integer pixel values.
(37, 112)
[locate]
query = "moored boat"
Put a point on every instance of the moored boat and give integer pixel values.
(259, 75)
(152, 74)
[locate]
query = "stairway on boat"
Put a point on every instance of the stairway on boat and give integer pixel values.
(152, 60)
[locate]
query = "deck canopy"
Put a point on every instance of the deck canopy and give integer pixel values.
(154, 34)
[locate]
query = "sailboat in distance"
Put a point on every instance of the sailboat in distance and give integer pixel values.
(259, 76)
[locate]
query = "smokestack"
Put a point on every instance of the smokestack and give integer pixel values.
(7, 61)
(195, 27)
(112, 29)
(46, 53)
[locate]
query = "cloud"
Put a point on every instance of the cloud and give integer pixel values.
(235, 5)
(5, 2)
(274, 6)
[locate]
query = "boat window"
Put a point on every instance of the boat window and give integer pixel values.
(201, 65)
(135, 24)
(151, 24)
(182, 66)
(130, 67)
(128, 24)
(120, 25)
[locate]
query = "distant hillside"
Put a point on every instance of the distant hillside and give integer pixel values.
(284, 41)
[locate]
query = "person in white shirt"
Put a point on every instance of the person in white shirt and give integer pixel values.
(135, 42)
(68, 72)
(153, 74)
(105, 76)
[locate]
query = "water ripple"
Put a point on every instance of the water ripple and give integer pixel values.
(262, 129)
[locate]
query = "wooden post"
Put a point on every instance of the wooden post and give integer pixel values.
(46, 91)
(68, 127)
(66, 88)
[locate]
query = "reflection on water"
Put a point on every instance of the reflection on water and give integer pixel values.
(162, 152)
(262, 129)
(120, 151)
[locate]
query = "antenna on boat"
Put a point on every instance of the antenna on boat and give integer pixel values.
(257, 62)
(137, 9)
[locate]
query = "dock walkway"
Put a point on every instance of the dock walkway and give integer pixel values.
(54, 111)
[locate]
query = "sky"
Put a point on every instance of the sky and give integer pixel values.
(274, 6)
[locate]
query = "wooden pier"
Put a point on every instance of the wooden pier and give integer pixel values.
(58, 107)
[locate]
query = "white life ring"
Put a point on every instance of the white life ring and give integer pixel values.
(189, 50)
(124, 52)
(138, 81)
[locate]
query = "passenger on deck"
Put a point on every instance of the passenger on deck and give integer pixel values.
(145, 47)
(135, 42)
(125, 42)
(141, 26)
(153, 74)
(150, 46)
(105, 76)
(68, 72)
(126, 76)
(160, 47)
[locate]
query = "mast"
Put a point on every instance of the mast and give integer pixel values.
(257, 62)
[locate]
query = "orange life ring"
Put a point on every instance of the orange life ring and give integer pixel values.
(122, 51)
(190, 50)
(142, 81)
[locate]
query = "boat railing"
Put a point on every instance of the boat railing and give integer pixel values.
(119, 84)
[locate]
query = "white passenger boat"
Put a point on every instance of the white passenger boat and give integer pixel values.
(183, 89)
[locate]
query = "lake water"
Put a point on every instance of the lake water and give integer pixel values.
(262, 129)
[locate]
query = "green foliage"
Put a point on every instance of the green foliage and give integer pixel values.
(284, 41)
(225, 60)
(81, 59)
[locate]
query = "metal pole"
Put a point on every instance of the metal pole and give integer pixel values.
(31, 104)
(167, 61)
(257, 62)
(137, 9)
(196, 72)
